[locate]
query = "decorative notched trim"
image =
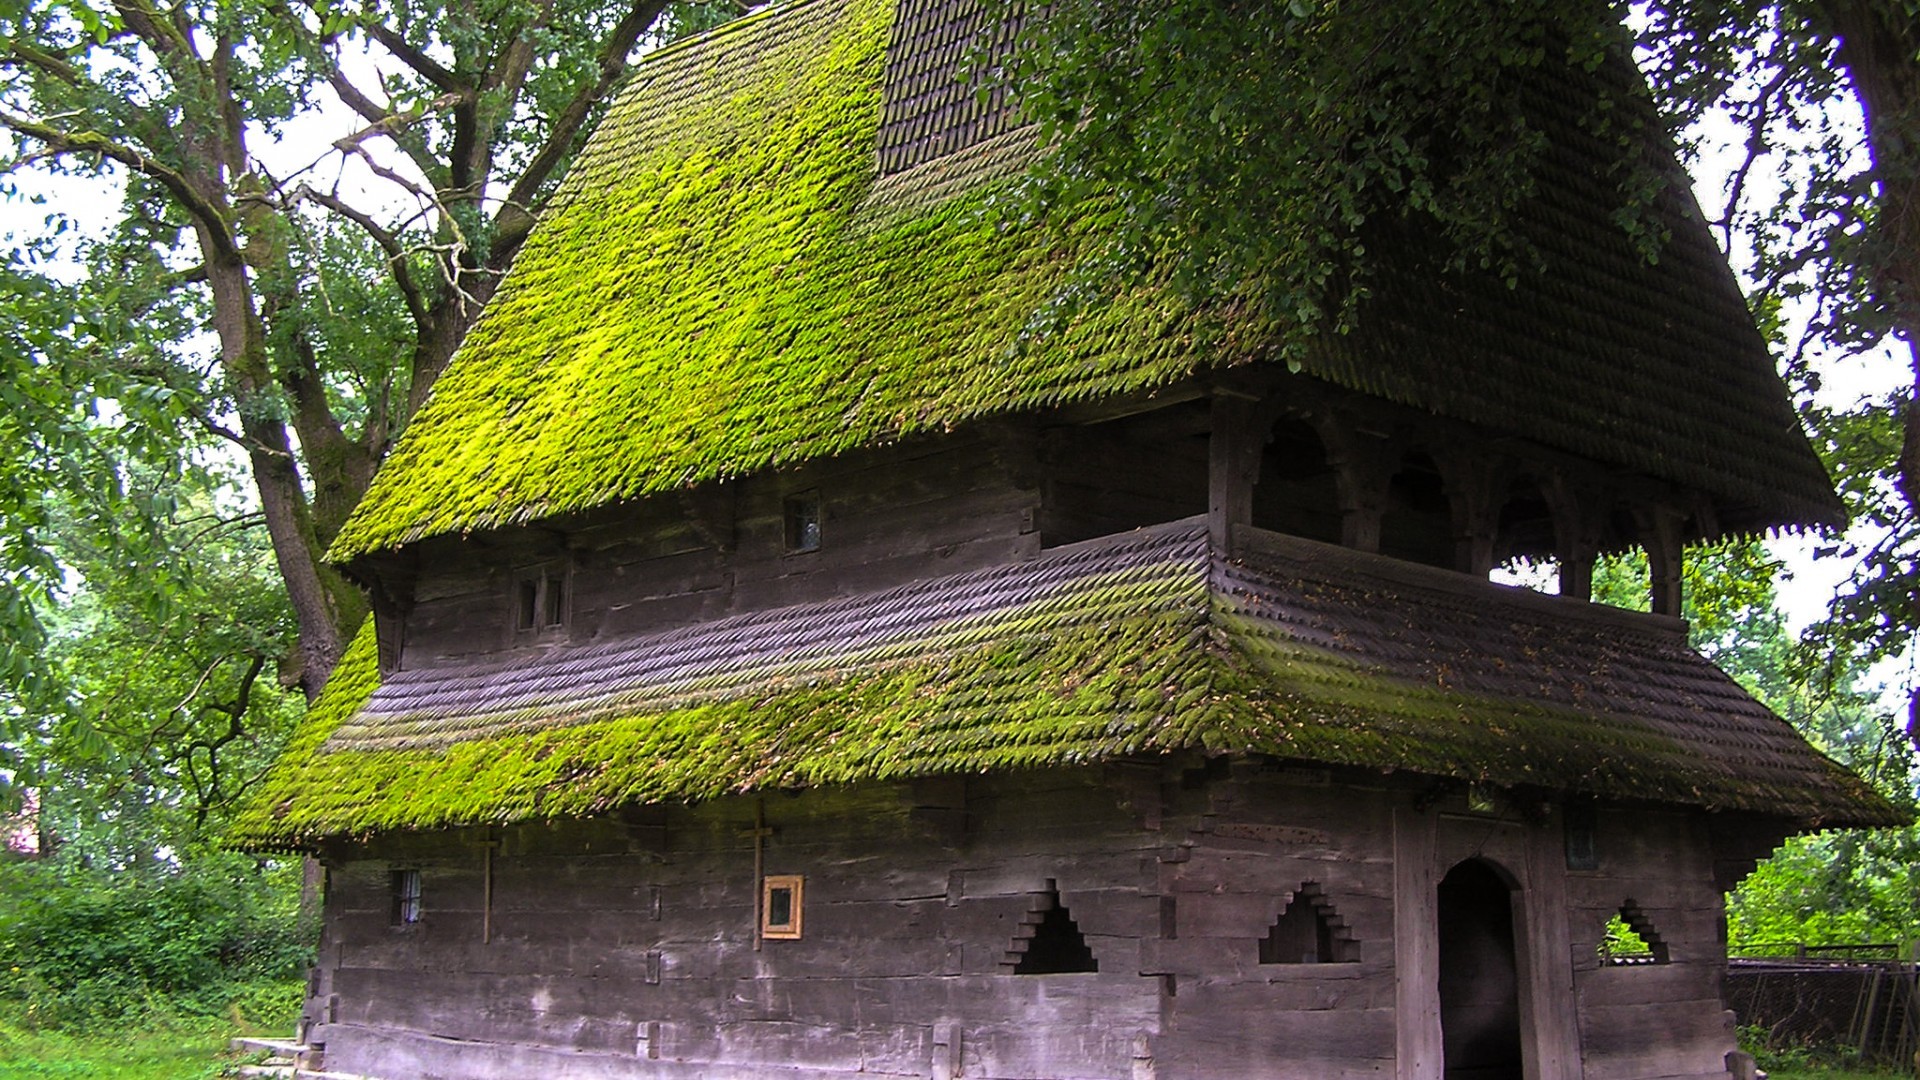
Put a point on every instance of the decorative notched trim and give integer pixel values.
(1309, 931)
(1637, 921)
(1048, 941)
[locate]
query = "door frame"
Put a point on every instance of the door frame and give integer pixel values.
(1427, 843)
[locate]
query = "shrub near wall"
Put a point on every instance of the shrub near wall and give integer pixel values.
(204, 936)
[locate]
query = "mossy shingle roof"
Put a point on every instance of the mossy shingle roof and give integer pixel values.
(1136, 644)
(727, 284)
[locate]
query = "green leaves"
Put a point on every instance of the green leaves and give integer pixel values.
(1252, 146)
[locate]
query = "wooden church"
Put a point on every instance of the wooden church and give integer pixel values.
(785, 663)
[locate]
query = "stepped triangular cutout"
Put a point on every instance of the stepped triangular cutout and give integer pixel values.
(1631, 940)
(1048, 941)
(1309, 931)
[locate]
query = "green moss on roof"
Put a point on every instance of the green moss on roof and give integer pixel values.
(1115, 655)
(1038, 693)
(724, 286)
(710, 308)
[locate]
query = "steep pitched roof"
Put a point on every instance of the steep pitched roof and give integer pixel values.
(1140, 643)
(727, 284)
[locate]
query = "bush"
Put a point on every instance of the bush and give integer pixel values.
(80, 946)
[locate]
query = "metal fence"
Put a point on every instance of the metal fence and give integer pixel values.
(1854, 996)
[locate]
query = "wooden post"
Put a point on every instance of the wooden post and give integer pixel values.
(759, 832)
(1419, 1053)
(1660, 534)
(486, 887)
(1476, 485)
(1363, 464)
(1544, 944)
(1579, 517)
(1233, 464)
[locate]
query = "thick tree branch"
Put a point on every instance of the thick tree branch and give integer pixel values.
(385, 122)
(354, 98)
(1756, 145)
(389, 243)
(513, 221)
(422, 65)
(150, 26)
(209, 216)
(26, 54)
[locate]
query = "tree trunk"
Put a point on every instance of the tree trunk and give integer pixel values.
(1879, 47)
(317, 607)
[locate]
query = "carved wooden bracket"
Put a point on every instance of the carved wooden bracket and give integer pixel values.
(1662, 533)
(1579, 511)
(1476, 484)
(1138, 787)
(1363, 463)
(711, 511)
(391, 597)
(645, 826)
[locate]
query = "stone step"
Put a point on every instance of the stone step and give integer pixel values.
(286, 1070)
(288, 1058)
(255, 1044)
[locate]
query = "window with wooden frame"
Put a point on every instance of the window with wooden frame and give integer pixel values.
(800, 514)
(540, 600)
(404, 898)
(781, 899)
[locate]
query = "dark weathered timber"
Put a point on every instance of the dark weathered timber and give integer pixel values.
(616, 953)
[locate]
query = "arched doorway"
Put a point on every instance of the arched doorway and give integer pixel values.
(1479, 981)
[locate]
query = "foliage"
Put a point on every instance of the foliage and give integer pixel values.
(1833, 888)
(168, 1051)
(208, 934)
(1620, 939)
(1252, 144)
(167, 707)
(298, 309)
(1809, 1062)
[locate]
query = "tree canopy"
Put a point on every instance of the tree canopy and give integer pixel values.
(200, 383)
(311, 302)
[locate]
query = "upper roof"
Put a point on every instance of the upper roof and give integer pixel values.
(1135, 644)
(728, 283)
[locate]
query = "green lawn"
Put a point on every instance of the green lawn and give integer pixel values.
(1799, 1068)
(168, 1054)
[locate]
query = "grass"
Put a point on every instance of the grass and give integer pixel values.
(1809, 1073)
(160, 1047)
(1802, 1064)
(171, 1053)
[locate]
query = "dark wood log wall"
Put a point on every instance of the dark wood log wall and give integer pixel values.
(908, 512)
(625, 947)
(1652, 1020)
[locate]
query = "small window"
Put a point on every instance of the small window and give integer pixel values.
(803, 522)
(405, 887)
(1583, 853)
(1631, 941)
(1049, 942)
(528, 605)
(1309, 931)
(540, 601)
(553, 600)
(780, 902)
